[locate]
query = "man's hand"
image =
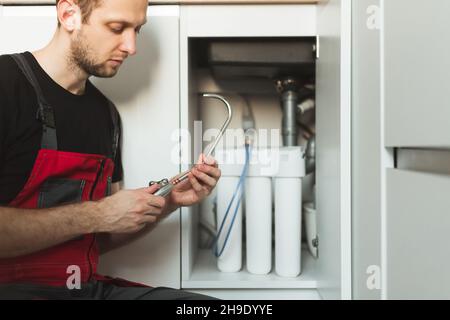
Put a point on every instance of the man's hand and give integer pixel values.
(129, 211)
(202, 180)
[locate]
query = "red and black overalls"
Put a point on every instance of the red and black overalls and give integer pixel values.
(58, 178)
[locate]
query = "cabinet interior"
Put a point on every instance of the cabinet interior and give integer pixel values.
(245, 71)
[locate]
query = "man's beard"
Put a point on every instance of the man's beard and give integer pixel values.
(81, 57)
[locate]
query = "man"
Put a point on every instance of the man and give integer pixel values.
(60, 165)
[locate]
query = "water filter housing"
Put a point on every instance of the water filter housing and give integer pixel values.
(258, 216)
(286, 167)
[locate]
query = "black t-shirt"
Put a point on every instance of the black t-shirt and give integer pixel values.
(83, 124)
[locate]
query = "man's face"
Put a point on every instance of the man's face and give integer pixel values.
(101, 45)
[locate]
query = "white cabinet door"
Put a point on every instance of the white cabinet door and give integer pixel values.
(366, 139)
(333, 149)
(418, 223)
(146, 92)
(417, 68)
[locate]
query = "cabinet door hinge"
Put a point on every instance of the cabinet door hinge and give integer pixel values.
(315, 242)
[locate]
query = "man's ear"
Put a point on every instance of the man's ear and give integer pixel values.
(69, 15)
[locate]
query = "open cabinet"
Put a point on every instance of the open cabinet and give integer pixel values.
(204, 31)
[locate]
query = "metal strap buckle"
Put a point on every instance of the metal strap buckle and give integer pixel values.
(162, 183)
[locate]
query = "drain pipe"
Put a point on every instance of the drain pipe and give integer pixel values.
(288, 88)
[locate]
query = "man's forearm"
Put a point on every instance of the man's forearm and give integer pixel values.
(25, 231)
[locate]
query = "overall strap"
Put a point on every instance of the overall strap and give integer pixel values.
(116, 129)
(45, 112)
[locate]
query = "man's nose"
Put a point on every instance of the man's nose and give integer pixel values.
(129, 42)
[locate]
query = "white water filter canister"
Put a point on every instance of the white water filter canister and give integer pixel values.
(258, 215)
(288, 223)
(231, 258)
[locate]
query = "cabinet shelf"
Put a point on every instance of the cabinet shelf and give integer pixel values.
(205, 275)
